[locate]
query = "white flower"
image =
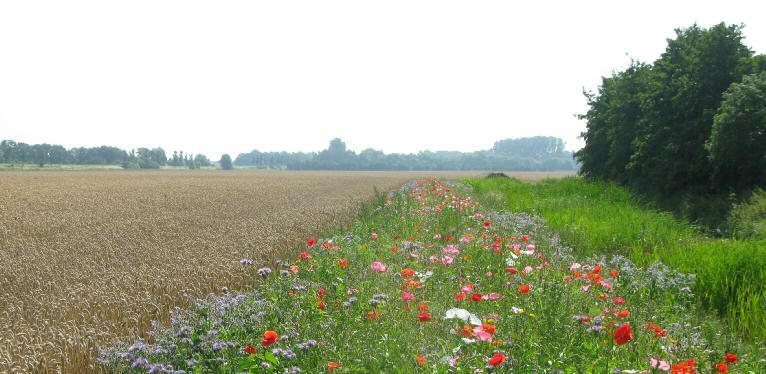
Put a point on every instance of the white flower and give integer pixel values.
(463, 315)
(516, 310)
(510, 262)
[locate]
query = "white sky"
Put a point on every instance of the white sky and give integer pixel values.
(401, 76)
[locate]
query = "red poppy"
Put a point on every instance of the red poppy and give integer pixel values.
(722, 367)
(305, 255)
(624, 313)
(524, 238)
(250, 349)
(333, 365)
(460, 296)
(269, 338)
(487, 224)
(424, 317)
(497, 359)
(394, 248)
(730, 358)
(614, 273)
(310, 243)
(421, 360)
(511, 271)
(489, 328)
(687, 367)
(623, 334)
(321, 305)
(343, 262)
(476, 297)
(524, 288)
(407, 272)
(619, 300)
(466, 331)
(597, 269)
(423, 307)
(373, 315)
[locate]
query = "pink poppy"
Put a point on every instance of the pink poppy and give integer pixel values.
(379, 267)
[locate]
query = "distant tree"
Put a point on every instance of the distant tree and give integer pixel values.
(738, 141)
(201, 160)
(225, 162)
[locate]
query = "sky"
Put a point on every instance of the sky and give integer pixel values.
(217, 77)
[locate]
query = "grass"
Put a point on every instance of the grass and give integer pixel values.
(427, 280)
(598, 217)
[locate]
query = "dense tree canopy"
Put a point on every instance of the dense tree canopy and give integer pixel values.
(648, 126)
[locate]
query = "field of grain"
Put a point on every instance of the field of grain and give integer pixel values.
(92, 256)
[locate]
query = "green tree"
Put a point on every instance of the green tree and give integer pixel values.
(737, 144)
(225, 162)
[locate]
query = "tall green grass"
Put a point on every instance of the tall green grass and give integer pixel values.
(599, 217)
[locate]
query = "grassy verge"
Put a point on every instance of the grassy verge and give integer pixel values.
(427, 280)
(596, 217)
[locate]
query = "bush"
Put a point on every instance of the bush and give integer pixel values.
(748, 219)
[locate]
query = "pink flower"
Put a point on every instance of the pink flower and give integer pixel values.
(433, 259)
(335, 248)
(482, 334)
(379, 267)
(465, 240)
(373, 236)
(468, 288)
(491, 296)
(489, 274)
(528, 270)
(619, 300)
(451, 250)
(406, 296)
(574, 266)
(413, 256)
(531, 247)
(584, 289)
(447, 260)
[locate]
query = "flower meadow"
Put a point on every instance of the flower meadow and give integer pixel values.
(427, 280)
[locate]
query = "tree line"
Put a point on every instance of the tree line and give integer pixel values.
(527, 154)
(12, 152)
(689, 126)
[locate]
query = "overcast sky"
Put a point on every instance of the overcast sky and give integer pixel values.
(400, 76)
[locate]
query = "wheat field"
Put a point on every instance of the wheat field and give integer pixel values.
(93, 256)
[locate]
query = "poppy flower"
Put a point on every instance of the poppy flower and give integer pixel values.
(421, 360)
(333, 365)
(511, 271)
(614, 273)
(310, 243)
(624, 313)
(407, 272)
(269, 337)
(379, 267)
(460, 296)
(730, 358)
(722, 367)
(343, 263)
(489, 328)
(524, 289)
(406, 296)
(623, 334)
(424, 317)
(249, 349)
(619, 300)
(487, 224)
(497, 359)
(476, 297)
(373, 315)
(305, 255)
(687, 367)
(466, 331)
(394, 248)
(423, 307)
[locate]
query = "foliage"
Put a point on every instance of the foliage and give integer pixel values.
(597, 217)
(748, 219)
(648, 126)
(225, 162)
(534, 153)
(426, 280)
(738, 141)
